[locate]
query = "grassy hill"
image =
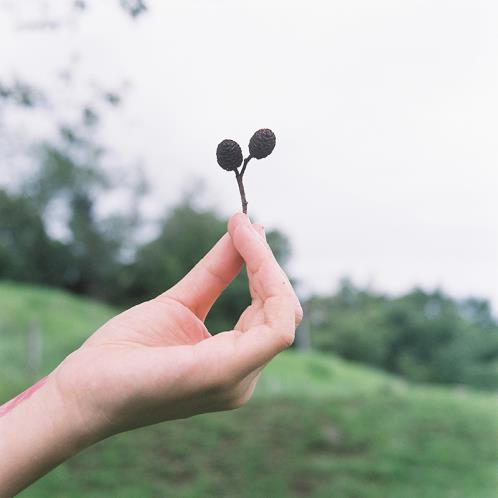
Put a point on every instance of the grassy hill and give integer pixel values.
(317, 427)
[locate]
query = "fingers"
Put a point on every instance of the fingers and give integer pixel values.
(253, 315)
(248, 241)
(259, 344)
(200, 288)
(264, 330)
(269, 326)
(266, 278)
(229, 357)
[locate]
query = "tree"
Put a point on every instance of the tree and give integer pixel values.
(423, 336)
(27, 253)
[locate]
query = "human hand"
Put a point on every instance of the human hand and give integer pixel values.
(157, 361)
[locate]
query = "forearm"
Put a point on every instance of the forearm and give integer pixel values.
(38, 431)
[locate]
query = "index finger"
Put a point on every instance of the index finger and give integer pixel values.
(281, 309)
(204, 283)
(265, 275)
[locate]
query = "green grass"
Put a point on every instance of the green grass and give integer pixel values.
(65, 321)
(317, 427)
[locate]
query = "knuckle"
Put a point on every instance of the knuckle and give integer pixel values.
(299, 314)
(287, 338)
(239, 400)
(235, 403)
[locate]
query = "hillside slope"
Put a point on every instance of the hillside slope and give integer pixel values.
(64, 320)
(317, 427)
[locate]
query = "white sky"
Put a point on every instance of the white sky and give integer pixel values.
(386, 116)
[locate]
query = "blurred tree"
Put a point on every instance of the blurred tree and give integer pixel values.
(95, 255)
(423, 336)
(343, 323)
(58, 177)
(67, 193)
(19, 93)
(27, 253)
(63, 193)
(61, 94)
(67, 180)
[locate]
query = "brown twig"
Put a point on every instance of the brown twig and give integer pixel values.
(246, 160)
(242, 191)
(240, 183)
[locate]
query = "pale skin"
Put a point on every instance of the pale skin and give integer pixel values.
(155, 362)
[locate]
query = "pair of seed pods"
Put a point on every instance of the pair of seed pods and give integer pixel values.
(230, 158)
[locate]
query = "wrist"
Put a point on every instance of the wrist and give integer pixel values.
(38, 431)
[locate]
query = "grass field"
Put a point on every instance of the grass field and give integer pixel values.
(317, 427)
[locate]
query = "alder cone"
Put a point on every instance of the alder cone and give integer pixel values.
(229, 155)
(262, 143)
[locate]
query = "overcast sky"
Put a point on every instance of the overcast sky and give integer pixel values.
(386, 116)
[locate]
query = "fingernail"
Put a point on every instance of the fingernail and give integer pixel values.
(238, 219)
(246, 218)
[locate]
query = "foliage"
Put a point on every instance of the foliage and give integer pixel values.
(20, 94)
(61, 196)
(27, 253)
(424, 336)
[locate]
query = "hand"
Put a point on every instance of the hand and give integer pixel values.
(157, 361)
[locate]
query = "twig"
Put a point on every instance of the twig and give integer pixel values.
(242, 191)
(240, 183)
(246, 160)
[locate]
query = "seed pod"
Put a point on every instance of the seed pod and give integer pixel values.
(262, 143)
(229, 155)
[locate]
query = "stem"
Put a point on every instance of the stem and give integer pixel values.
(240, 183)
(246, 160)
(242, 191)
